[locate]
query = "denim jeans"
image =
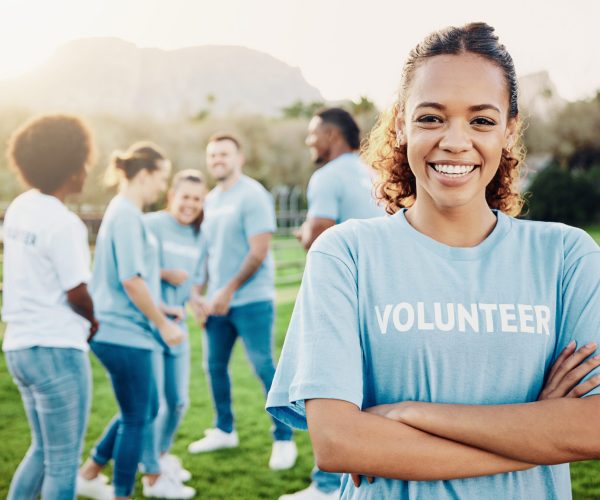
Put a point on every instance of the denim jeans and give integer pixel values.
(55, 385)
(132, 376)
(172, 375)
(253, 323)
(327, 482)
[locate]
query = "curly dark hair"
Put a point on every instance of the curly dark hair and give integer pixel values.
(48, 149)
(397, 184)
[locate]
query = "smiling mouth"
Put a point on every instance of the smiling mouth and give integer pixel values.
(453, 170)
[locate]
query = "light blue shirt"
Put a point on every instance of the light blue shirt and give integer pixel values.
(341, 190)
(386, 314)
(124, 249)
(231, 217)
(178, 248)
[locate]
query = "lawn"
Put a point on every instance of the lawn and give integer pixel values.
(232, 474)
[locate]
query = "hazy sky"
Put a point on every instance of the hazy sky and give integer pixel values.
(346, 48)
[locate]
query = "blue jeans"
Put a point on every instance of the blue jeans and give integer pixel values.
(327, 482)
(172, 375)
(55, 385)
(254, 324)
(132, 375)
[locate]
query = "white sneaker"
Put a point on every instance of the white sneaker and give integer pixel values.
(167, 487)
(215, 439)
(95, 488)
(171, 465)
(283, 455)
(311, 493)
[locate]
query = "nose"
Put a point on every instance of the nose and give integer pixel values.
(308, 141)
(456, 138)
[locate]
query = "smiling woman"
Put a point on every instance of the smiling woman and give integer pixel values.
(434, 348)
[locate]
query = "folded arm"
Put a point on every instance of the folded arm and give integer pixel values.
(346, 439)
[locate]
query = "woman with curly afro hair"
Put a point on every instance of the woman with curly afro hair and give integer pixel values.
(434, 351)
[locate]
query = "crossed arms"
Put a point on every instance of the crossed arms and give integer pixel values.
(426, 441)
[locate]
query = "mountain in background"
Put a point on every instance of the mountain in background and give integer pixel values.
(111, 76)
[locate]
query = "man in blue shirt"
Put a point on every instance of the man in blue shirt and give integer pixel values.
(340, 189)
(239, 220)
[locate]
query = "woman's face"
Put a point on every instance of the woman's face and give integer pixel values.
(156, 181)
(186, 201)
(454, 125)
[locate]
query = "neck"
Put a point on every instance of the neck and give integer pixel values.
(61, 193)
(465, 226)
(133, 194)
(225, 184)
(339, 149)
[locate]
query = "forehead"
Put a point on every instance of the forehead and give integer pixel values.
(223, 146)
(458, 80)
(191, 188)
(314, 124)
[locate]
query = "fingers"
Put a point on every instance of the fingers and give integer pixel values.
(566, 352)
(567, 366)
(585, 387)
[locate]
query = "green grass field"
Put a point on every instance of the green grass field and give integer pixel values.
(232, 474)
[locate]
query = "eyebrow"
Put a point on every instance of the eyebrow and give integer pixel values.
(441, 107)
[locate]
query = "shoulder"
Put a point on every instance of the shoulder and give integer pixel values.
(155, 220)
(343, 240)
(572, 242)
(253, 190)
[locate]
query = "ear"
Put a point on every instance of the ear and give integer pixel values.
(511, 134)
(400, 129)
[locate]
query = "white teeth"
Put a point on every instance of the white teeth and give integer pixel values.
(454, 170)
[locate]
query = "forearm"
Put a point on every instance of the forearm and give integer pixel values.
(348, 440)
(544, 432)
(80, 301)
(249, 266)
(138, 292)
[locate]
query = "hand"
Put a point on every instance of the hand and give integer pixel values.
(171, 333)
(201, 309)
(299, 233)
(175, 277)
(567, 372)
(94, 325)
(221, 301)
(357, 478)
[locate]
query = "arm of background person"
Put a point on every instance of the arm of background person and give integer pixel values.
(139, 293)
(81, 302)
(259, 249)
(345, 439)
(311, 229)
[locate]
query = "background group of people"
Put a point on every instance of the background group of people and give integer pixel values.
(444, 351)
(206, 250)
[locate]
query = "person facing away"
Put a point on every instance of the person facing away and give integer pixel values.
(342, 186)
(341, 189)
(435, 349)
(48, 312)
(239, 220)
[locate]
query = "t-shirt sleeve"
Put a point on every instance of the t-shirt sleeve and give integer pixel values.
(70, 254)
(129, 238)
(322, 355)
(580, 301)
(259, 214)
(322, 198)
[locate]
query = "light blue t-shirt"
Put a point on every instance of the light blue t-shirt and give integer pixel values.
(386, 314)
(341, 190)
(178, 248)
(124, 249)
(230, 218)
